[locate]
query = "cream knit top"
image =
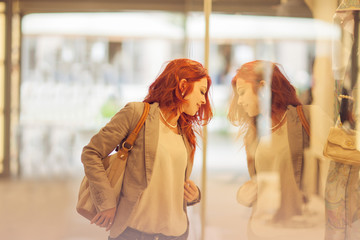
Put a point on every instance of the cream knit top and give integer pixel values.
(160, 208)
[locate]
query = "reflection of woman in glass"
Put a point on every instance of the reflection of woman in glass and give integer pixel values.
(156, 186)
(264, 107)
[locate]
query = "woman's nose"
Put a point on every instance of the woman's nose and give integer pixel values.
(239, 100)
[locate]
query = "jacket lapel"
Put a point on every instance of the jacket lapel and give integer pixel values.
(295, 136)
(151, 139)
(189, 162)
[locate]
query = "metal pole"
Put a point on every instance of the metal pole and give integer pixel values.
(207, 12)
(187, 8)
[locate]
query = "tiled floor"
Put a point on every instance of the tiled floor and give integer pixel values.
(45, 210)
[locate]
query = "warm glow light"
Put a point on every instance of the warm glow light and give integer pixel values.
(101, 24)
(237, 27)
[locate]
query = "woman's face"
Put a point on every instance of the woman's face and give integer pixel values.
(247, 98)
(196, 98)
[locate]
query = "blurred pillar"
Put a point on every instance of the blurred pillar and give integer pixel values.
(207, 12)
(2, 83)
(5, 88)
(15, 89)
(322, 89)
(9, 85)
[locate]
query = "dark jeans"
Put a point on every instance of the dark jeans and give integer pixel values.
(133, 234)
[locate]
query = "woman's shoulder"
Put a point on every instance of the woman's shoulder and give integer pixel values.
(134, 104)
(312, 112)
(137, 108)
(304, 108)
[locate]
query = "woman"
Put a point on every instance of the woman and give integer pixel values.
(264, 107)
(156, 186)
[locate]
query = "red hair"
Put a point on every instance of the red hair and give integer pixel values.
(166, 91)
(283, 94)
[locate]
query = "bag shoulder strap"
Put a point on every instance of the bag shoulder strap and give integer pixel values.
(303, 120)
(116, 170)
(128, 143)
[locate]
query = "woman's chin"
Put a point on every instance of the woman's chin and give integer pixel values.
(251, 114)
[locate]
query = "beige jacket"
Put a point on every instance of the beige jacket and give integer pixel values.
(139, 166)
(298, 141)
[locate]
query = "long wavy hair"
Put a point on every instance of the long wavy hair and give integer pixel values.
(283, 94)
(166, 91)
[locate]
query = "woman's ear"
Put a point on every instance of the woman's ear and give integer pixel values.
(262, 88)
(182, 85)
(262, 83)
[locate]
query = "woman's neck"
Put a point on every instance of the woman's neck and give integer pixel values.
(278, 119)
(169, 119)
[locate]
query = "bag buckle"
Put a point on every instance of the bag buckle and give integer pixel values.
(127, 147)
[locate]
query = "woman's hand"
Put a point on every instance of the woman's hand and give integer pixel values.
(105, 218)
(247, 193)
(191, 192)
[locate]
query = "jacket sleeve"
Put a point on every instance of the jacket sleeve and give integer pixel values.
(99, 147)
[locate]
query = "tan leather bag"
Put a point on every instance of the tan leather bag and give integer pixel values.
(114, 165)
(341, 146)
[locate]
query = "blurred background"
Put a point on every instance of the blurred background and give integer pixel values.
(66, 67)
